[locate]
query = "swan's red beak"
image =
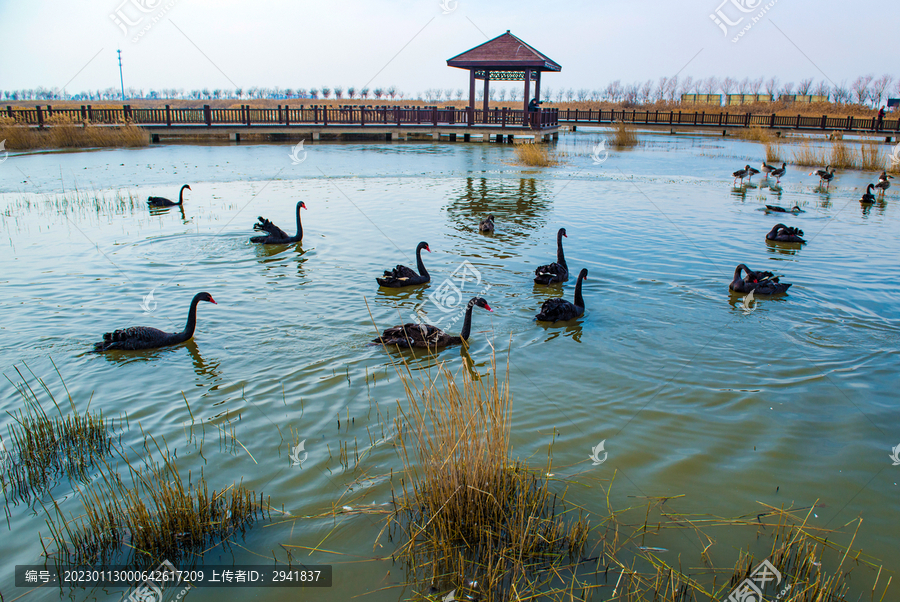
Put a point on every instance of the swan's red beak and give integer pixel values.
(427, 248)
(566, 235)
(488, 307)
(213, 301)
(189, 188)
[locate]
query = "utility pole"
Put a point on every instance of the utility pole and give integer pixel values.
(121, 80)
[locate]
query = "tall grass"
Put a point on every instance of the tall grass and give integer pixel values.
(61, 132)
(774, 152)
(841, 155)
(623, 136)
(472, 519)
(755, 133)
(534, 155)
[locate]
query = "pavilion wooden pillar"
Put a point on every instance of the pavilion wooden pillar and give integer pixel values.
(487, 92)
(527, 95)
(471, 96)
(537, 87)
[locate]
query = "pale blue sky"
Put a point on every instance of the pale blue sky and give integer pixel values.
(291, 43)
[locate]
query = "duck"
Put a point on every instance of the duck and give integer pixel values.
(761, 283)
(795, 209)
(274, 234)
(145, 337)
(767, 169)
(825, 175)
(402, 276)
(751, 172)
(868, 198)
(560, 310)
(741, 173)
(782, 233)
(487, 224)
(426, 336)
(558, 271)
(883, 183)
(778, 173)
(158, 201)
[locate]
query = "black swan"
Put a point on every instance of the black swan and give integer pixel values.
(554, 272)
(761, 283)
(741, 173)
(883, 183)
(777, 209)
(487, 224)
(277, 236)
(778, 173)
(767, 169)
(868, 198)
(560, 310)
(158, 201)
(144, 337)
(782, 233)
(403, 276)
(427, 336)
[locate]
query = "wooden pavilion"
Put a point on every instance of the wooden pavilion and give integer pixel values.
(504, 58)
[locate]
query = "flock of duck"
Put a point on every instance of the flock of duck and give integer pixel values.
(416, 335)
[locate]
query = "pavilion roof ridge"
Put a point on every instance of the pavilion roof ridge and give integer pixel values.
(505, 52)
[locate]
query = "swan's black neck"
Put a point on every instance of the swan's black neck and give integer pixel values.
(191, 321)
(467, 322)
(579, 301)
(737, 271)
(774, 231)
(419, 265)
(299, 235)
(560, 257)
(181, 194)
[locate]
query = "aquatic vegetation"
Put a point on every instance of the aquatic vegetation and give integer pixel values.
(41, 448)
(623, 136)
(534, 155)
(755, 133)
(471, 518)
(157, 516)
(64, 133)
(774, 152)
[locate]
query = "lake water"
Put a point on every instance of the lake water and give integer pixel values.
(791, 403)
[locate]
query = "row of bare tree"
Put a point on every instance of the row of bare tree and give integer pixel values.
(864, 90)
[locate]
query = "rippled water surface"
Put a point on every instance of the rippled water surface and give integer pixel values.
(791, 403)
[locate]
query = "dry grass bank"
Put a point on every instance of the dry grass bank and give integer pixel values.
(65, 133)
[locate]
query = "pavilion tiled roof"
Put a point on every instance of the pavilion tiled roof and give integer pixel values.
(505, 52)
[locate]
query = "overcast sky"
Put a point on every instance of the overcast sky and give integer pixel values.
(196, 44)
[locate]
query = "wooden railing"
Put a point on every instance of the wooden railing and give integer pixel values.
(286, 116)
(798, 122)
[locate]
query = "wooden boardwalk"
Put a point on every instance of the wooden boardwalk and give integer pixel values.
(393, 122)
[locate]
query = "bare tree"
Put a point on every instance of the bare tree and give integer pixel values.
(672, 88)
(841, 92)
(364, 93)
(686, 86)
(459, 93)
(772, 86)
(559, 94)
(646, 91)
(326, 91)
(492, 93)
(860, 88)
(514, 94)
(804, 86)
(448, 94)
(756, 85)
(570, 94)
(583, 94)
(879, 87)
(660, 92)
(822, 89)
(744, 86)
(338, 92)
(787, 89)
(502, 94)
(711, 84)
(728, 84)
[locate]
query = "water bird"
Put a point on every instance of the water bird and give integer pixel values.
(554, 272)
(795, 209)
(560, 310)
(158, 201)
(767, 169)
(782, 233)
(403, 276)
(825, 175)
(274, 234)
(144, 337)
(741, 173)
(487, 224)
(751, 172)
(761, 283)
(883, 183)
(428, 336)
(868, 198)
(779, 172)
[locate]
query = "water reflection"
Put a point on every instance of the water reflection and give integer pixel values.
(271, 258)
(739, 193)
(519, 206)
(783, 248)
(571, 329)
(206, 370)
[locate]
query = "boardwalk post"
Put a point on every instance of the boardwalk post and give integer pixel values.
(287, 115)
(850, 122)
(772, 120)
(325, 114)
(168, 116)
(10, 113)
(315, 113)
(362, 115)
(90, 113)
(503, 118)
(747, 120)
(40, 116)
(207, 115)
(434, 115)
(798, 123)
(824, 121)
(49, 111)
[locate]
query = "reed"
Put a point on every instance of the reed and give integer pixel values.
(870, 157)
(43, 448)
(774, 152)
(534, 155)
(755, 133)
(623, 136)
(157, 516)
(807, 155)
(62, 132)
(472, 519)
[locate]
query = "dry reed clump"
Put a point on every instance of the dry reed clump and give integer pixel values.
(156, 517)
(870, 158)
(534, 155)
(623, 136)
(774, 152)
(755, 133)
(472, 520)
(62, 132)
(44, 448)
(841, 155)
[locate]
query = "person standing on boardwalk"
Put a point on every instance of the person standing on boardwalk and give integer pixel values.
(879, 120)
(533, 107)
